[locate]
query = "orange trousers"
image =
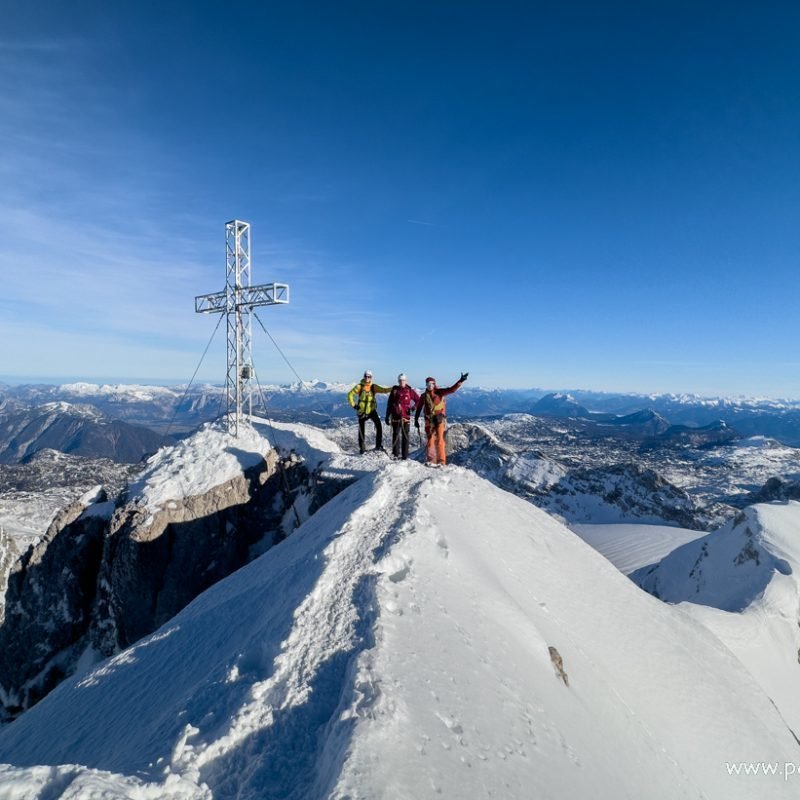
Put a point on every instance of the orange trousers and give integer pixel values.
(435, 451)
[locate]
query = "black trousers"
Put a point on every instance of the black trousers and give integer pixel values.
(400, 430)
(362, 422)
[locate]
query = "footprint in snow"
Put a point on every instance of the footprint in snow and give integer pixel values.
(451, 723)
(400, 573)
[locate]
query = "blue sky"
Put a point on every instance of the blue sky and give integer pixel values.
(561, 195)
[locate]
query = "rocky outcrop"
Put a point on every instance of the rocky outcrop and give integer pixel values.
(626, 493)
(8, 557)
(526, 473)
(105, 575)
(774, 489)
(614, 493)
(731, 567)
(48, 604)
(154, 565)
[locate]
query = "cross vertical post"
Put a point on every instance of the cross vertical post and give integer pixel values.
(237, 277)
(237, 302)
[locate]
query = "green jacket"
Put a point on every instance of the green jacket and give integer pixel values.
(362, 397)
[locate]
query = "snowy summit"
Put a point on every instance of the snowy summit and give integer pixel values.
(423, 634)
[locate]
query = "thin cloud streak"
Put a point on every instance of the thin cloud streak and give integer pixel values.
(422, 222)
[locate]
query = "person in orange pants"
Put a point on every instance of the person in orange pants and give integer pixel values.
(435, 407)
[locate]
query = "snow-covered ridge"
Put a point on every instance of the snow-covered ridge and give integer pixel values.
(195, 465)
(212, 456)
(727, 401)
(731, 567)
(422, 635)
(743, 583)
(74, 409)
(120, 391)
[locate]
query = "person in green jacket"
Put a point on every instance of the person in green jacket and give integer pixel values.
(362, 398)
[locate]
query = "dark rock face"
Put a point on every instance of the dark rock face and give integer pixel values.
(9, 555)
(774, 489)
(48, 605)
(155, 566)
(101, 578)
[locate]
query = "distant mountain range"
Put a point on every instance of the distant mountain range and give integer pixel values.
(628, 415)
(678, 419)
(79, 430)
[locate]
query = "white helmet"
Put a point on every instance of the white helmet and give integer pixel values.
(367, 373)
(402, 377)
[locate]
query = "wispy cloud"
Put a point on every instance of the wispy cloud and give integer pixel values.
(100, 260)
(422, 222)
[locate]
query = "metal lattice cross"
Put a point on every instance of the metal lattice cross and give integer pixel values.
(237, 301)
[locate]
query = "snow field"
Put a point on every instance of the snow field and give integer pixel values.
(741, 582)
(397, 645)
(629, 546)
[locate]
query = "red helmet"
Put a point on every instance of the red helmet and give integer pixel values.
(430, 380)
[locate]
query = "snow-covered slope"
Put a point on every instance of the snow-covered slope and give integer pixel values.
(742, 582)
(424, 634)
(629, 546)
(732, 567)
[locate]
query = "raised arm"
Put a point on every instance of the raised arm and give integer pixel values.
(456, 386)
(450, 389)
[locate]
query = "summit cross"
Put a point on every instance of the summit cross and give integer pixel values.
(237, 302)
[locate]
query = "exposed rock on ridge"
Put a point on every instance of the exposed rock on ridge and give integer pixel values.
(106, 574)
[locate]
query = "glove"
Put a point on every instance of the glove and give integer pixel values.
(464, 376)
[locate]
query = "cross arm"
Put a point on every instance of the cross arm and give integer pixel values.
(266, 294)
(210, 303)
